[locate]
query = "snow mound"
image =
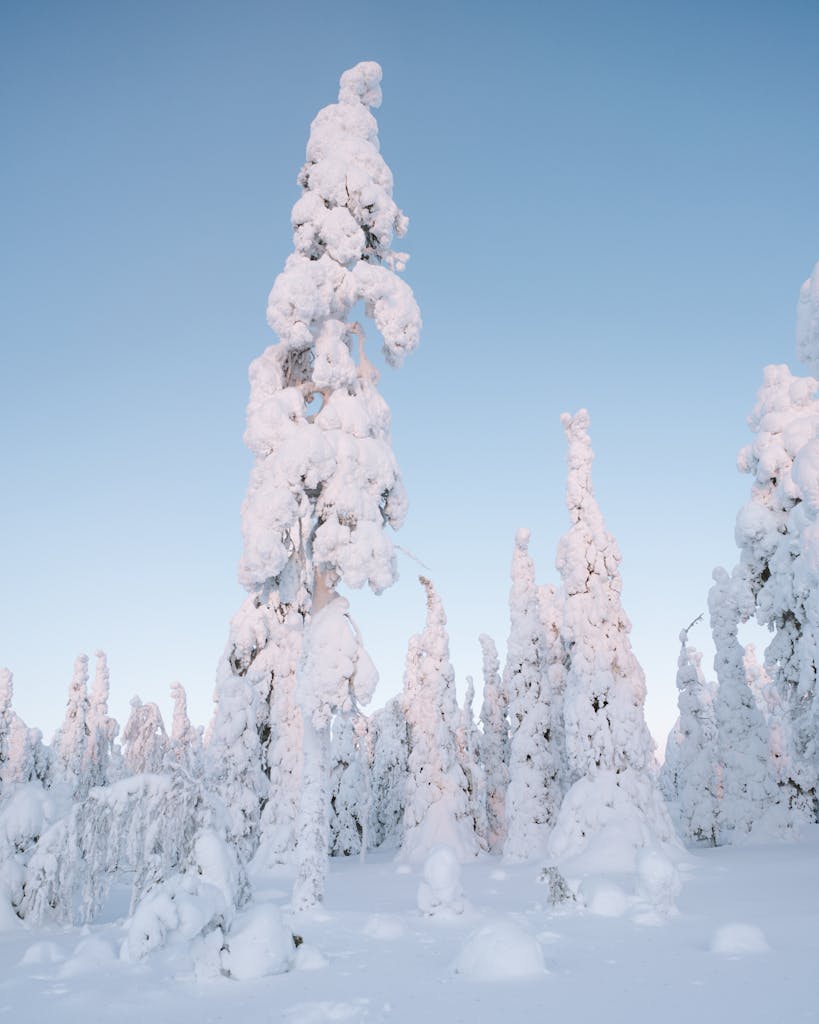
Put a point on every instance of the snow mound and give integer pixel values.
(308, 958)
(500, 951)
(90, 955)
(739, 939)
(259, 944)
(440, 892)
(42, 953)
(603, 897)
(658, 881)
(384, 927)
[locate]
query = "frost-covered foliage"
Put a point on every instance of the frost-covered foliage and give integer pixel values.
(186, 740)
(71, 742)
(468, 747)
(534, 697)
(609, 749)
(6, 719)
(147, 825)
(335, 675)
(325, 481)
(234, 763)
(389, 738)
(194, 904)
(437, 801)
(349, 785)
(749, 797)
(102, 756)
(494, 744)
(144, 740)
(690, 776)
(263, 652)
(605, 686)
(770, 535)
(807, 323)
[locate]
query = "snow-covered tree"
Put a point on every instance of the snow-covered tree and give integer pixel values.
(349, 787)
(494, 744)
(6, 715)
(749, 796)
(335, 675)
(101, 755)
(608, 745)
(186, 740)
(468, 746)
(535, 749)
(389, 740)
(437, 798)
(144, 740)
(785, 420)
(690, 776)
(71, 742)
(325, 481)
(234, 763)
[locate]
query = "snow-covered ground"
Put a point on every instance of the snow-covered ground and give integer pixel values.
(742, 948)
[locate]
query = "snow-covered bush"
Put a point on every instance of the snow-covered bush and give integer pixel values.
(145, 825)
(500, 950)
(440, 891)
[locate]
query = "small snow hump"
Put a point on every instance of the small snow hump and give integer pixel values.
(739, 939)
(361, 84)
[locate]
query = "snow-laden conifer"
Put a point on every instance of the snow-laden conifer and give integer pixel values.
(335, 675)
(494, 744)
(186, 739)
(609, 748)
(389, 738)
(144, 740)
(71, 742)
(534, 793)
(234, 763)
(750, 799)
(468, 747)
(690, 775)
(6, 716)
(101, 755)
(349, 786)
(437, 801)
(785, 420)
(324, 481)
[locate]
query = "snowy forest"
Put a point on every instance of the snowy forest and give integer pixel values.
(218, 853)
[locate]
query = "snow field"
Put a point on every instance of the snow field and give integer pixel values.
(741, 947)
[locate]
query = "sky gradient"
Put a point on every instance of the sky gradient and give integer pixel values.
(611, 206)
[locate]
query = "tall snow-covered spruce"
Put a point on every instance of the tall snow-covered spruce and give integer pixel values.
(325, 481)
(534, 697)
(608, 745)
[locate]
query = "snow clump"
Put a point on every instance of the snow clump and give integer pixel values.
(501, 950)
(259, 944)
(737, 939)
(440, 892)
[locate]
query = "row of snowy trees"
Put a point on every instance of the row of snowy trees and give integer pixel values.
(290, 769)
(744, 754)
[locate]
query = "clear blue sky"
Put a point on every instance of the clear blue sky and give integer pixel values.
(612, 205)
